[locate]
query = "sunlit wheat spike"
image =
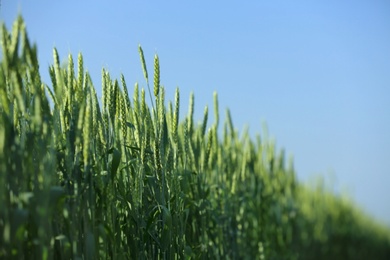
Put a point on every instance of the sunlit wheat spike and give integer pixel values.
(216, 110)
(105, 100)
(104, 90)
(175, 120)
(143, 63)
(70, 73)
(126, 94)
(204, 123)
(5, 38)
(95, 110)
(86, 85)
(80, 124)
(31, 54)
(123, 116)
(215, 147)
(136, 98)
(170, 113)
(102, 142)
(15, 37)
(58, 76)
(112, 100)
(208, 148)
(136, 114)
(161, 106)
(119, 93)
(27, 50)
(163, 126)
(230, 124)
(87, 131)
(80, 71)
(191, 112)
(18, 91)
(156, 76)
(71, 87)
(143, 103)
(226, 139)
(186, 142)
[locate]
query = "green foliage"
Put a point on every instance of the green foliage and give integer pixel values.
(80, 179)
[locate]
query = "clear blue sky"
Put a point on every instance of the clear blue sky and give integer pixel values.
(317, 72)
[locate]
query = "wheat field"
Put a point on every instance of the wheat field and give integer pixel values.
(116, 178)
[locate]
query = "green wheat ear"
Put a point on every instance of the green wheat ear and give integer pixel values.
(123, 116)
(216, 109)
(80, 71)
(204, 123)
(191, 112)
(142, 57)
(208, 147)
(70, 74)
(126, 93)
(136, 114)
(57, 74)
(15, 39)
(86, 134)
(143, 63)
(156, 76)
(230, 123)
(112, 99)
(175, 120)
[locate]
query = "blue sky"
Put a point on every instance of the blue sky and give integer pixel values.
(317, 72)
